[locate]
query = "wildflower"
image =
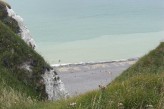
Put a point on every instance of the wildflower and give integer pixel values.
(102, 87)
(111, 101)
(120, 106)
(72, 104)
(149, 107)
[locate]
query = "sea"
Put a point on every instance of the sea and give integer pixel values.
(74, 31)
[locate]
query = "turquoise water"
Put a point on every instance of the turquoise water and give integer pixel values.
(92, 30)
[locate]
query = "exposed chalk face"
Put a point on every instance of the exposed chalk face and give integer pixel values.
(54, 86)
(26, 66)
(24, 32)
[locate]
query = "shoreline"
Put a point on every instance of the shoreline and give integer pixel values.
(80, 78)
(92, 63)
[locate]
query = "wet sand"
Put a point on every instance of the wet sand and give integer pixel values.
(80, 78)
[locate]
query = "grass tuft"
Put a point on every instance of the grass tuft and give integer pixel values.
(139, 87)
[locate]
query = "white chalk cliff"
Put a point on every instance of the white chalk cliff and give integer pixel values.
(24, 32)
(54, 87)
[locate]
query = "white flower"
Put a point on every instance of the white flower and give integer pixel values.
(72, 104)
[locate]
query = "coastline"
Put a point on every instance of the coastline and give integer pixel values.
(82, 77)
(102, 48)
(92, 63)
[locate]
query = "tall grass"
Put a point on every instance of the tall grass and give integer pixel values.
(10, 97)
(16, 87)
(139, 87)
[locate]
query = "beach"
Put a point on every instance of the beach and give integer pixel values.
(84, 77)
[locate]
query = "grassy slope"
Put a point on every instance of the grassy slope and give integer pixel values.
(13, 52)
(12, 23)
(140, 85)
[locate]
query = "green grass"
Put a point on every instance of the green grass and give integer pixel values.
(140, 85)
(16, 86)
(13, 92)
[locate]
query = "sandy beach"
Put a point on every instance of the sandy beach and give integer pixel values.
(80, 78)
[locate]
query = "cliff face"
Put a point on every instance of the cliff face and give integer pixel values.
(15, 22)
(17, 55)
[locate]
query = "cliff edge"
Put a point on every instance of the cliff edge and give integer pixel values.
(22, 69)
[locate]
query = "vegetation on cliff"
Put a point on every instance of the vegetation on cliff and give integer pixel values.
(139, 87)
(18, 84)
(6, 19)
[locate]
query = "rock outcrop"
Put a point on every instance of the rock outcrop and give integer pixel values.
(15, 22)
(23, 31)
(28, 66)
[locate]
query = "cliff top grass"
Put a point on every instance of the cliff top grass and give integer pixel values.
(16, 87)
(139, 87)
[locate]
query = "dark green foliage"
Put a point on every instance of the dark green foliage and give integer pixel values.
(13, 53)
(139, 86)
(10, 22)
